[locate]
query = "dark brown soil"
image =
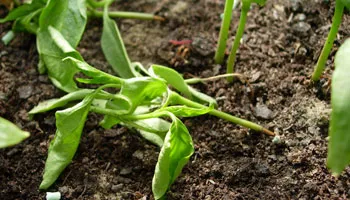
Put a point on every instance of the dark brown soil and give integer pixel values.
(280, 46)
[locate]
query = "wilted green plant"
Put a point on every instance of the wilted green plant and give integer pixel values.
(339, 132)
(337, 18)
(224, 31)
(143, 101)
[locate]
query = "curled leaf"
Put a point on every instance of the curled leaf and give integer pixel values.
(175, 153)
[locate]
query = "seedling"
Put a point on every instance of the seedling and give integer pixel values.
(337, 18)
(143, 102)
(339, 132)
(224, 30)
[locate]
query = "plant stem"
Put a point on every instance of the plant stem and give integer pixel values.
(122, 14)
(236, 42)
(213, 78)
(336, 21)
(225, 26)
(181, 100)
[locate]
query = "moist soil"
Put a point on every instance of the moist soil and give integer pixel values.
(279, 48)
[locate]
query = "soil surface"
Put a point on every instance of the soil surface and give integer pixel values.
(279, 48)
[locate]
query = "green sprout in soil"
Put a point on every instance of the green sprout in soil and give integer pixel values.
(225, 26)
(224, 30)
(336, 21)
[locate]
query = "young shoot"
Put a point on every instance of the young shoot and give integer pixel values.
(225, 26)
(336, 21)
(242, 21)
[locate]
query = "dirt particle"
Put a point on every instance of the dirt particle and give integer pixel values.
(263, 112)
(125, 171)
(117, 188)
(25, 91)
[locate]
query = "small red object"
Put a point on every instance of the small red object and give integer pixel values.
(180, 42)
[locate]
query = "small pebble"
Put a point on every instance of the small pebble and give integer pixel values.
(276, 139)
(263, 112)
(25, 91)
(53, 195)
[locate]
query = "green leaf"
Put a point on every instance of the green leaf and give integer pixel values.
(97, 76)
(137, 91)
(185, 111)
(142, 90)
(160, 127)
(346, 3)
(60, 102)
(61, 72)
(119, 103)
(339, 144)
(70, 123)
(28, 23)
(113, 48)
(175, 153)
(23, 11)
(172, 77)
(67, 19)
(10, 134)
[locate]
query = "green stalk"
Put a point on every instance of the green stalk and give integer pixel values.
(225, 26)
(213, 78)
(176, 98)
(129, 15)
(321, 63)
(236, 42)
(181, 100)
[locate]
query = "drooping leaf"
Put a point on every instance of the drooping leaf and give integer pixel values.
(10, 134)
(142, 89)
(159, 126)
(60, 102)
(28, 23)
(67, 19)
(70, 123)
(136, 91)
(97, 76)
(172, 77)
(122, 105)
(185, 111)
(175, 153)
(113, 48)
(23, 11)
(339, 144)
